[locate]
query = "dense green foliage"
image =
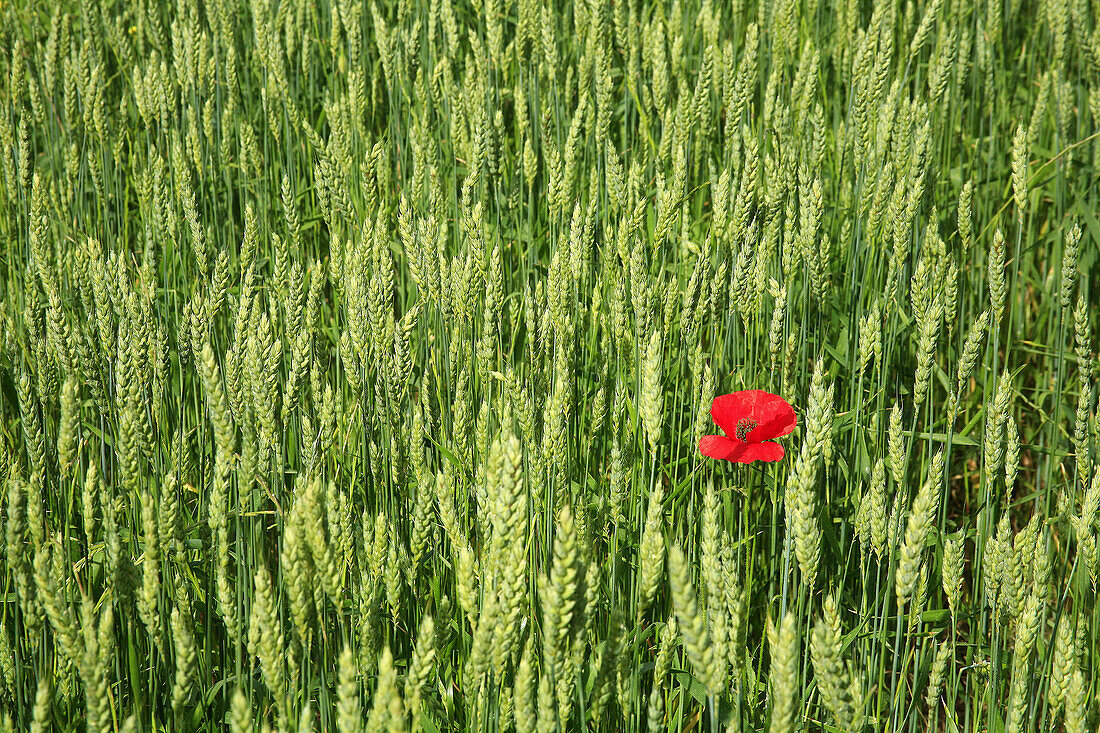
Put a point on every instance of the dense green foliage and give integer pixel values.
(354, 359)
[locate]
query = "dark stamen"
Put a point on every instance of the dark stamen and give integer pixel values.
(744, 427)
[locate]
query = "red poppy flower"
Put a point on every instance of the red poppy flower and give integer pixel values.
(750, 420)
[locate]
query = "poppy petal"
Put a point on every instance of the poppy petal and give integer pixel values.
(725, 411)
(774, 418)
(749, 452)
(717, 446)
(727, 449)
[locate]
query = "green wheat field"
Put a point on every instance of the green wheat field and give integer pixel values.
(354, 359)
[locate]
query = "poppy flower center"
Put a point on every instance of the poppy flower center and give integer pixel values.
(744, 427)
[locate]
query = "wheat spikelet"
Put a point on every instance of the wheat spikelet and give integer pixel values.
(921, 519)
(784, 643)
